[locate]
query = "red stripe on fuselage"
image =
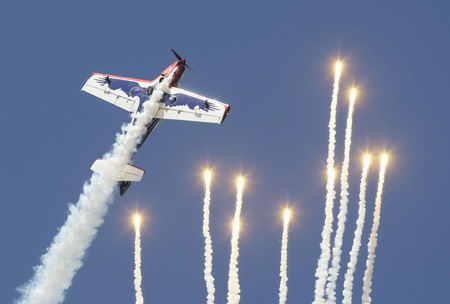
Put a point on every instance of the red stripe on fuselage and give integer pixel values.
(125, 78)
(167, 71)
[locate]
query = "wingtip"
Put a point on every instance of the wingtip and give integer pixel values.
(225, 114)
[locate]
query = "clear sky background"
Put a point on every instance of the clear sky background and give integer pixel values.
(272, 62)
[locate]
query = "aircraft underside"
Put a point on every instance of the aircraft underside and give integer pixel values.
(124, 185)
(130, 94)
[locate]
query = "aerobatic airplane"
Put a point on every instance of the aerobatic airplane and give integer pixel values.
(130, 94)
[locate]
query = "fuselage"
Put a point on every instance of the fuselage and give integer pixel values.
(177, 68)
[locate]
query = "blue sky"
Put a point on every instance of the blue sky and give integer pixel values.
(272, 62)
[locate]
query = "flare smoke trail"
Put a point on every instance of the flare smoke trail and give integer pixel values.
(354, 252)
(322, 264)
(209, 279)
(234, 289)
(64, 256)
(284, 257)
(343, 206)
(137, 260)
(372, 245)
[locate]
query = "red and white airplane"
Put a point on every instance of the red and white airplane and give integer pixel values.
(130, 94)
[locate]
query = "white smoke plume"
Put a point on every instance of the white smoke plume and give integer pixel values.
(284, 258)
(354, 252)
(137, 260)
(372, 245)
(343, 207)
(322, 264)
(65, 255)
(209, 279)
(234, 289)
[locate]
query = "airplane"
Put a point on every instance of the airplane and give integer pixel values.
(176, 103)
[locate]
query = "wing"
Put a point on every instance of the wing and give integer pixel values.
(184, 105)
(126, 93)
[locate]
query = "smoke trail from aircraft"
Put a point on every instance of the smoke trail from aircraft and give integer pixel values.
(137, 260)
(284, 257)
(322, 264)
(234, 289)
(343, 206)
(64, 256)
(354, 252)
(209, 279)
(373, 239)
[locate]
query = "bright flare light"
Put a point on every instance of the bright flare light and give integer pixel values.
(338, 69)
(137, 220)
(240, 183)
(236, 225)
(353, 94)
(287, 215)
(332, 175)
(384, 160)
(367, 159)
(207, 176)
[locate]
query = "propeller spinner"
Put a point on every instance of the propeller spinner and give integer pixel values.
(181, 60)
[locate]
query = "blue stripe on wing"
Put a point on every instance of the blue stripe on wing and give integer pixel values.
(130, 88)
(191, 102)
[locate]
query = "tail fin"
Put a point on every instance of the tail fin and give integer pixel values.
(123, 187)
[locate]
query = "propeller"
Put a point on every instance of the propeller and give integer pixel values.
(180, 59)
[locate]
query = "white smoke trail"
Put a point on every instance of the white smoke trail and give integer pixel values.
(137, 260)
(64, 256)
(333, 272)
(234, 289)
(372, 245)
(284, 258)
(209, 279)
(322, 264)
(354, 252)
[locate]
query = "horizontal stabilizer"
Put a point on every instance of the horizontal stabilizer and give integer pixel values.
(129, 173)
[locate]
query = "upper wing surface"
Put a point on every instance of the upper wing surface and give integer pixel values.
(126, 93)
(185, 105)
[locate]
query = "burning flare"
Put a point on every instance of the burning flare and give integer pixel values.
(137, 259)
(354, 252)
(372, 245)
(284, 257)
(322, 264)
(209, 279)
(343, 206)
(234, 289)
